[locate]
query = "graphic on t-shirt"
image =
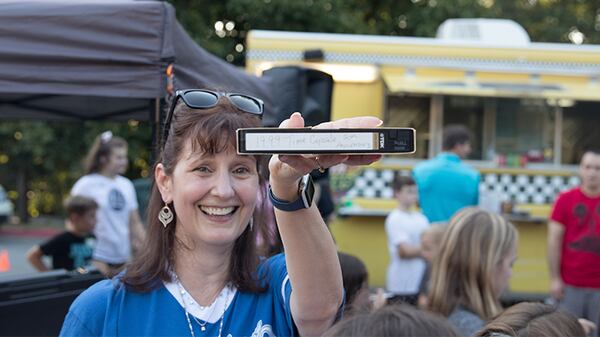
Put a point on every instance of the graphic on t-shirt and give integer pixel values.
(580, 212)
(81, 253)
(590, 241)
(116, 200)
(262, 330)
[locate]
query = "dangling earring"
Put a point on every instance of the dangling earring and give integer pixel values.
(165, 216)
(251, 223)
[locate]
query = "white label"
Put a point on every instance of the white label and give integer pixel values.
(306, 141)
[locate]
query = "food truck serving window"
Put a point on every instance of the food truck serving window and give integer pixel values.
(525, 130)
(510, 131)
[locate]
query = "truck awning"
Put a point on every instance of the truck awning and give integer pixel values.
(488, 84)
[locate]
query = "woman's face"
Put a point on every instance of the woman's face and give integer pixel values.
(504, 271)
(214, 195)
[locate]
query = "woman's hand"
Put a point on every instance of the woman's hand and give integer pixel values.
(286, 170)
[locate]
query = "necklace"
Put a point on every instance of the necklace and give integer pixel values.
(201, 323)
(187, 315)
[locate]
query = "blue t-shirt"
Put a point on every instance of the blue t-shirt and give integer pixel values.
(109, 309)
(445, 185)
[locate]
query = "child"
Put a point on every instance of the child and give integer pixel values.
(403, 227)
(73, 248)
(356, 284)
(431, 238)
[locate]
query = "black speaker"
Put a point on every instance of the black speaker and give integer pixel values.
(36, 304)
(299, 89)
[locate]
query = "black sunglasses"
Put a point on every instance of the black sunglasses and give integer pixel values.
(204, 99)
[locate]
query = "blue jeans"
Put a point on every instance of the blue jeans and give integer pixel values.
(582, 302)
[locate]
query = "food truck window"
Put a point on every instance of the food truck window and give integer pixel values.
(524, 131)
(467, 111)
(580, 130)
(410, 111)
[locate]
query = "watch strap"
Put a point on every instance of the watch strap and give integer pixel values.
(303, 201)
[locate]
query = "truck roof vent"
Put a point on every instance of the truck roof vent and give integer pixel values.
(496, 32)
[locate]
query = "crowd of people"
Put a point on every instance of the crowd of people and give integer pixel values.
(236, 246)
(470, 264)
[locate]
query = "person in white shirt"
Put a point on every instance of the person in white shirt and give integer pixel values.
(118, 220)
(403, 227)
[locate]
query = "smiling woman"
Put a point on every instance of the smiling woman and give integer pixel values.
(200, 274)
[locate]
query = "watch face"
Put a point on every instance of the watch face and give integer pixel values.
(307, 192)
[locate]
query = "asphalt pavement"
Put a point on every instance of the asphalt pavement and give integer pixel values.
(17, 243)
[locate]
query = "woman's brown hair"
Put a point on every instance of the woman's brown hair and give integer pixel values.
(462, 274)
(528, 319)
(99, 153)
(210, 131)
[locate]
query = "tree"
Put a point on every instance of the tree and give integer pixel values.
(545, 20)
(221, 27)
(39, 161)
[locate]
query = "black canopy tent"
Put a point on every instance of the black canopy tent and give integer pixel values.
(102, 59)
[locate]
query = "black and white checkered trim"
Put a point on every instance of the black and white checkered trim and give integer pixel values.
(519, 188)
(526, 189)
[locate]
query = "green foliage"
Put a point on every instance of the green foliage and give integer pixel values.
(51, 153)
(544, 20)
(199, 19)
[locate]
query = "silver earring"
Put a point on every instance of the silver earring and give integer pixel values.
(251, 223)
(165, 216)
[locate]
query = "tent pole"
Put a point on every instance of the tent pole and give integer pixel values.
(155, 118)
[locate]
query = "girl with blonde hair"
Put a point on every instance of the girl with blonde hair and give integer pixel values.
(473, 268)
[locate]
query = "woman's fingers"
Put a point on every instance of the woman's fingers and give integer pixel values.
(307, 164)
(365, 159)
(353, 122)
(302, 164)
(295, 121)
(355, 159)
(299, 163)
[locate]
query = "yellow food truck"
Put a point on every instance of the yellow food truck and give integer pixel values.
(532, 107)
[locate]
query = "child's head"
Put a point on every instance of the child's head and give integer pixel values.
(393, 320)
(474, 263)
(533, 319)
(355, 278)
(108, 154)
(405, 190)
(430, 241)
(81, 212)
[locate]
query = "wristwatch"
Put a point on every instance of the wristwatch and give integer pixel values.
(306, 192)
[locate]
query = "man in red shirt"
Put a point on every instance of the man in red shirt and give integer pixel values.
(574, 243)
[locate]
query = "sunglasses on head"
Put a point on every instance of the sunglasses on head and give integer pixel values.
(205, 99)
